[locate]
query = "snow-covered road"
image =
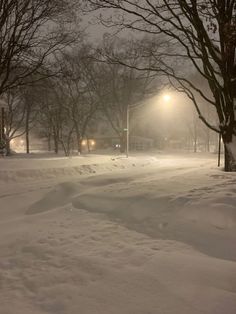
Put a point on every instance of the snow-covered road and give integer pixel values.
(152, 234)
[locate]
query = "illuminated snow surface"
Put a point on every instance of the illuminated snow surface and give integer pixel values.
(106, 235)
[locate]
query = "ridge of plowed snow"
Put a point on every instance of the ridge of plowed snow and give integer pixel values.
(13, 170)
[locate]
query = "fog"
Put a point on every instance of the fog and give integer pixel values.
(173, 123)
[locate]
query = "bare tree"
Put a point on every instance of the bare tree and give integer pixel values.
(49, 118)
(201, 35)
(30, 31)
(120, 87)
(68, 101)
(76, 87)
(15, 117)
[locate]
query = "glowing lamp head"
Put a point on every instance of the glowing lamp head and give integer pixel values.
(166, 98)
(92, 143)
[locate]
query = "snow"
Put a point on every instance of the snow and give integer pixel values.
(109, 235)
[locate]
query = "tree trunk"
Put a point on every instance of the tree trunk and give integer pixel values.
(56, 140)
(56, 146)
(208, 140)
(230, 155)
(65, 148)
(78, 139)
(27, 127)
(229, 139)
(88, 145)
(123, 142)
(8, 147)
(49, 143)
(27, 141)
(49, 139)
(195, 137)
(27, 136)
(195, 145)
(79, 145)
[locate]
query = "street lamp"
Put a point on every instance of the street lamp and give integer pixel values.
(166, 98)
(129, 107)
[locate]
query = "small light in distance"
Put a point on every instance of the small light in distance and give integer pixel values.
(84, 142)
(92, 143)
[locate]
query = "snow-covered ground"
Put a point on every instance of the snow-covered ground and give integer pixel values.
(102, 234)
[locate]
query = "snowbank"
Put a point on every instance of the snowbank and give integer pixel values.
(46, 167)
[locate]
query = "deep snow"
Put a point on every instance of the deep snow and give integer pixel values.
(109, 235)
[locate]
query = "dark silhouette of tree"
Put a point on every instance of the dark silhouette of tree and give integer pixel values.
(117, 87)
(68, 100)
(30, 31)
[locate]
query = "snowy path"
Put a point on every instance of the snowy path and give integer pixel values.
(185, 203)
(144, 236)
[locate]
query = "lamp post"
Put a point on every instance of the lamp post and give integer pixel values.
(127, 125)
(166, 98)
(127, 132)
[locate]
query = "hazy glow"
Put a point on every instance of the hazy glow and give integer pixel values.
(166, 98)
(88, 142)
(17, 144)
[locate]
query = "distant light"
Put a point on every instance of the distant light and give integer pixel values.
(92, 143)
(166, 98)
(22, 142)
(84, 142)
